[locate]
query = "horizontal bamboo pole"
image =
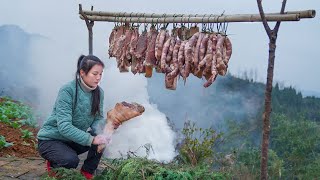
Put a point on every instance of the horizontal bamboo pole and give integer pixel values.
(303, 14)
(212, 19)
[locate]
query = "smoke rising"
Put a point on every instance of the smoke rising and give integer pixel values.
(52, 68)
(49, 66)
(228, 98)
(149, 128)
(14, 53)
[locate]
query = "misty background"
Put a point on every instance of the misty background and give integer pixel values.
(41, 41)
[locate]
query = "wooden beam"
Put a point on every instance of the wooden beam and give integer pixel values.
(303, 14)
(204, 19)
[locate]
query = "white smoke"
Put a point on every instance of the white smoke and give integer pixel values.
(54, 66)
(149, 128)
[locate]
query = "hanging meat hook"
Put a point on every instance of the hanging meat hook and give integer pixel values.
(195, 24)
(127, 24)
(212, 25)
(182, 24)
(118, 21)
(220, 23)
(130, 21)
(204, 25)
(115, 21)
(124, 14)
(225, 26)
(139, 23)
(146, 25)
(157, 24)
(209, 23)
(174, 25)
(152, 24)
(165, 25)
(189, 20)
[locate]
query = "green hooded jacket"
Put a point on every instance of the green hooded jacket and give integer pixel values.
(66, 125)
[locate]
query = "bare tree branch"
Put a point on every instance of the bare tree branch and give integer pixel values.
(276, 28)
(263, 18)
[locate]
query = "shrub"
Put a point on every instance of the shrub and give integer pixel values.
(4, 143)
(198, 144)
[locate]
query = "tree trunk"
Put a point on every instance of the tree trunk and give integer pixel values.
(272, 34)
(267, 110)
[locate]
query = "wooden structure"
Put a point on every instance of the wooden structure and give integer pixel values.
(91, 16)
(123, 17)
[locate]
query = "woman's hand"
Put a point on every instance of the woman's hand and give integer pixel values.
(100, 139)
(101, 147)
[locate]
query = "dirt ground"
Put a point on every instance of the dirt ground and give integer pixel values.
(22, 147)
(22, 160)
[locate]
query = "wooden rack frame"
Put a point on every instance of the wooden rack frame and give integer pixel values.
(91, 16)
(302, 14)
(124, 17)
(193, 18)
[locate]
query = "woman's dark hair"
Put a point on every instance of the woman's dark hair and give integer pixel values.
(86, 63)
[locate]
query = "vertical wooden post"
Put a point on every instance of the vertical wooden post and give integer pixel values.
(272, 34)
(89, 24)
(90, 37)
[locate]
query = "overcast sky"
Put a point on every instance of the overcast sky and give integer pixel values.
(297, 55)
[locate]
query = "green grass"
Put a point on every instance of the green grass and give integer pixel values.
(142, 168)
(16, 113)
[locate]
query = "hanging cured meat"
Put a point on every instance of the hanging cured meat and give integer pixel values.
(204, 54)
(150, 60)
(121, 113)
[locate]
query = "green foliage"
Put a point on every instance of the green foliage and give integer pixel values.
(142, 168)
(245, 133)
(26, 134)
(4, 143)
(291, 103)
(198, 144)
(248, 164)
(15, 113)
(65, 174)
(295, 142)
(298, 143)
(295, 133)
(15, 124)
(194, 161)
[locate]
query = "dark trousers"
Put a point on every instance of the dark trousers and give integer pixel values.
(65, 154)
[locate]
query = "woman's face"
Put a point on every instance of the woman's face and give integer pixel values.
(93, 77)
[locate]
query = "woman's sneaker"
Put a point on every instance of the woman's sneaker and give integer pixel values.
(49, 169)
(86, 174)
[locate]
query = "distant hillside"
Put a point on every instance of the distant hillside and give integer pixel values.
(229, 98)
(15, 57)
(291, 103)
(306, 93)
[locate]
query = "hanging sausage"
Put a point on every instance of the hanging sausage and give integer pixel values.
(204, 54)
